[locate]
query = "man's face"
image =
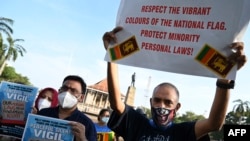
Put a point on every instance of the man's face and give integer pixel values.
(73, 87)
(164, 97)
(164, 102)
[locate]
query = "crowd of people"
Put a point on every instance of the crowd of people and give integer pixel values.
(125, 121)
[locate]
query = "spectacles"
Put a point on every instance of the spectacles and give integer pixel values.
(73, 91)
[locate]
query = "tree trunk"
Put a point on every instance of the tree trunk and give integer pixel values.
(2, 67)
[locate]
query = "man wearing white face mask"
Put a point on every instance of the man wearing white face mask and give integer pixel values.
(72, 92)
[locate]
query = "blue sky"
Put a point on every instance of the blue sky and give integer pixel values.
(65, 37)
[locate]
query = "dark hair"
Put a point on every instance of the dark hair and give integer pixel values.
(102, 111)
(167, 84)
(78, 79)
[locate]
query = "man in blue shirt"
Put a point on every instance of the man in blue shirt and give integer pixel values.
(72, 92)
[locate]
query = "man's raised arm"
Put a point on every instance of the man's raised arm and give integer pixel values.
(219, 107)
(112, 75)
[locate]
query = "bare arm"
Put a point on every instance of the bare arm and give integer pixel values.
(114, 89)
(219, 107)
(217, 114)
(112, 75)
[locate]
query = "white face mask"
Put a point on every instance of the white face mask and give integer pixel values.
(105, 119)
(67, 100)
(43, 103)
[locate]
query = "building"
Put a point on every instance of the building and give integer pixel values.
(96, 98)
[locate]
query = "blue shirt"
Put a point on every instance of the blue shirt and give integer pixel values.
(104, 133)
(100, 128)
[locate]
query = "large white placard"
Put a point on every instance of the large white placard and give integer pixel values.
(188, 37)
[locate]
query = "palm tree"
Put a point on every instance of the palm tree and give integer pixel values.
(10, 52)
(2, 47)
(5, 26)
(241, 109)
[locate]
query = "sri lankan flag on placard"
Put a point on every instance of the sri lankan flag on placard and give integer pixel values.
(124, 49)
(215, 61)
(105, 136)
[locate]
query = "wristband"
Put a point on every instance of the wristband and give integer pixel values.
(222, 85)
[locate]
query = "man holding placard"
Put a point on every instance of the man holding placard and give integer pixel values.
(164, 102)
(71, 92)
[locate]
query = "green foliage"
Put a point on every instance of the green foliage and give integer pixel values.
(5, 26)
(14, 49)
(2, 49)
(216, 135)
(241, 108)
(231, 118)
(248, 119)
(10, 75)
(239, 115)
(11, 50)
(188, 116)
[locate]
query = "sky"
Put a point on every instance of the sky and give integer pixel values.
(65, 37)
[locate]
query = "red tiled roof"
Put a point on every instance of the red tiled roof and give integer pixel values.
(101, 85)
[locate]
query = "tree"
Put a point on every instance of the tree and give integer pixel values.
(188, 116)
(217, 135)
(239, 115)
(2, 47)
(248, 118)
(231, 118)
(5, 26)
(10, 75)
(10, 52)
(241, 109)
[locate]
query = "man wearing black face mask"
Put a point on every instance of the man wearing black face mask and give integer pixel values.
(133, 126)
(72, 92)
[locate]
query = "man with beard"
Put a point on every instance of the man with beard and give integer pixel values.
(164, 103)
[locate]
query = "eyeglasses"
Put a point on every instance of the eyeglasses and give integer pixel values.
(73, 91)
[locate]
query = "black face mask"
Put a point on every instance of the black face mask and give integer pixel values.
(162, 116)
